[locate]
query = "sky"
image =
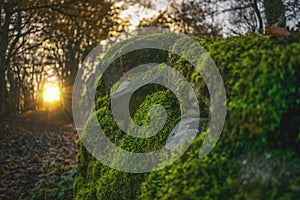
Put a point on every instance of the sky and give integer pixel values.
(135, 14)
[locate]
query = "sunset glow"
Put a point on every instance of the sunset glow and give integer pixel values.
(51, 92)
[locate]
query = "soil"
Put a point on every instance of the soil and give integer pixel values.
(30, 141)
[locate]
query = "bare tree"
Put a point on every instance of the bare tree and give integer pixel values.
(73, 28)
(260, 15)
(189, 17)
(17, 22)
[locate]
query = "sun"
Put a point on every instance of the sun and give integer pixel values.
(51, 92)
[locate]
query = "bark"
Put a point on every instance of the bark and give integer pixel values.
(259, 17)
(71, 69)
(274, 9)
(4, 60)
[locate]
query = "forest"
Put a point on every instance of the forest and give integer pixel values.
(179, 99)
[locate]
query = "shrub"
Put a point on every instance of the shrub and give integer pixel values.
(54, 183)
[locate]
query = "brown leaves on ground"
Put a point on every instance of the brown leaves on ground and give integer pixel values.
(27, 143)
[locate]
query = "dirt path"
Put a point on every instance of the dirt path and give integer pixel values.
(27, 143)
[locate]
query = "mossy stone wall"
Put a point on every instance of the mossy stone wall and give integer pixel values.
(262, 80)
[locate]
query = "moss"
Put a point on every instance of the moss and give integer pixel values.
(262, 80)
(115, 185)
(139, 145)
(193, 178)
(110, 183)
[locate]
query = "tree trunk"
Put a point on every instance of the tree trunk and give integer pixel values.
(259, 16)
(2, 94)
(274, 10)
(4, 61)
(3, 88)
(71, 67)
